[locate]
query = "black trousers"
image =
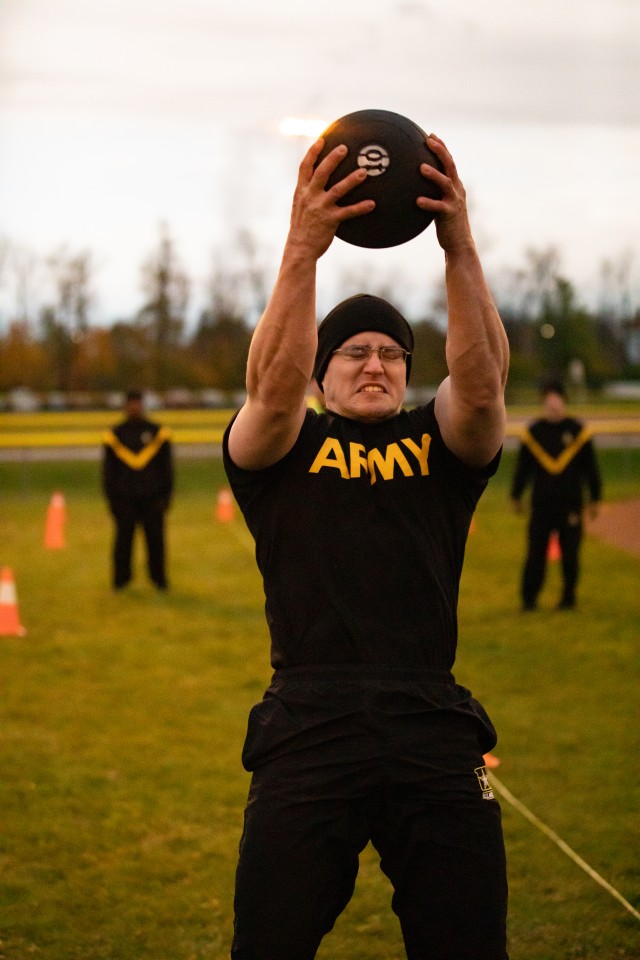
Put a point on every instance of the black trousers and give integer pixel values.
(419, 794)
(148, 513)
(542, 523)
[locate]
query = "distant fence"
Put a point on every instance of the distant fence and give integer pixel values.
(86, 429)
(48, 435)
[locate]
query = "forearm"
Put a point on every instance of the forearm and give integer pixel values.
(284, 343)
(477, 347)
(279, 367)
(470, 402)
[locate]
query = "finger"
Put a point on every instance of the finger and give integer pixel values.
(310, 158)
(342, 187)
(437, 145)
(356, 209)
(431, 205)
(444, 185)
(326, 166)
(439, 148)
(441, 180)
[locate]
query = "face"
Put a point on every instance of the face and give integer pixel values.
(554, 407)
(133, 409)
(367, 390)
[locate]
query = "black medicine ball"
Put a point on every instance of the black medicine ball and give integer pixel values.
(391, 149)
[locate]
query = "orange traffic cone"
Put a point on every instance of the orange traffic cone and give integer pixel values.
(225, 510)
(553, 548)
(54, 529)
(9, 620)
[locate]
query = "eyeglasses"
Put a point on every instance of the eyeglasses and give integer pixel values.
(362, 351)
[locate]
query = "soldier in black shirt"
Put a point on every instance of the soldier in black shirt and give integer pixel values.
(557, 458)
(360, 516)
(137, 477)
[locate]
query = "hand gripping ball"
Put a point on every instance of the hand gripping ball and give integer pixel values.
(391, 149)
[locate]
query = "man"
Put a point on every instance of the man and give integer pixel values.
(137, 475)
(360, 516)
(558, 459)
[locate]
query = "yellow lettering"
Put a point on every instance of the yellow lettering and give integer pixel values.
(358, 459)
(362, 461)
(324, 459)
(421, 453)
(385, 464)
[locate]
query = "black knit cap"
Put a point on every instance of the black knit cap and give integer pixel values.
(553, 386)
(355, 315)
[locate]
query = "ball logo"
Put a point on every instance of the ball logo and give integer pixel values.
(374, 159)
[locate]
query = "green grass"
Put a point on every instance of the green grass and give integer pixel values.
(121, 789)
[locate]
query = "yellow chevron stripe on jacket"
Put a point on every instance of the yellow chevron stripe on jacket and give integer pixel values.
(137, 461)
(557, 464)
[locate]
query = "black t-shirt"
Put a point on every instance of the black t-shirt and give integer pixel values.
(360, 535)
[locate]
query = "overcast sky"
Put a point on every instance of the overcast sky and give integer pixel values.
(116, 115)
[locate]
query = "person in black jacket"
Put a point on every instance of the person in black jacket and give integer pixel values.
(137, 474)
(557, 457)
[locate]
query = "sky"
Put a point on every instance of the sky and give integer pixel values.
(119, 115)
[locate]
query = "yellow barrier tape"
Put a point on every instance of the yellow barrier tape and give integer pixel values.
(94, 438)
(85, 428)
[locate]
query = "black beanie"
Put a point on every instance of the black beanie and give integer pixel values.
(355, 315)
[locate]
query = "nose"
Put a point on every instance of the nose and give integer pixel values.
(374, 363)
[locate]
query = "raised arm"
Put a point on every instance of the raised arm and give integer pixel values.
(470, 401)
(284, 343)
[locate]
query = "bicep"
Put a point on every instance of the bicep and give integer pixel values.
(258, 437)
(473, 434)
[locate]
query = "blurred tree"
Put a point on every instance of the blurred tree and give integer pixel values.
(163, 315)
(253, 275)
(23, 361)
(237, 293)
(549, 332)
(20, 276)
(548, 329)
(58, 343)
(615, 289)
(220, 344)
(130, 349)
(99, 359)
(64, 322)
(568, 334)
(72, 280)
(523, 289)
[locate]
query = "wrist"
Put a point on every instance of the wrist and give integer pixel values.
(460, 250)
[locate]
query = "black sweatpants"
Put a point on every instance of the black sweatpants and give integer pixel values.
(414, 785)
(542, 523)
(149, 513)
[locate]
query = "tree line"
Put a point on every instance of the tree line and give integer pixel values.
(54, 346)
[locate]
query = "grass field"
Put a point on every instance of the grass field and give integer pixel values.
(123, 716)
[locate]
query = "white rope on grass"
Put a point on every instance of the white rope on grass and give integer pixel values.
(559, 842)
(242, 535)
